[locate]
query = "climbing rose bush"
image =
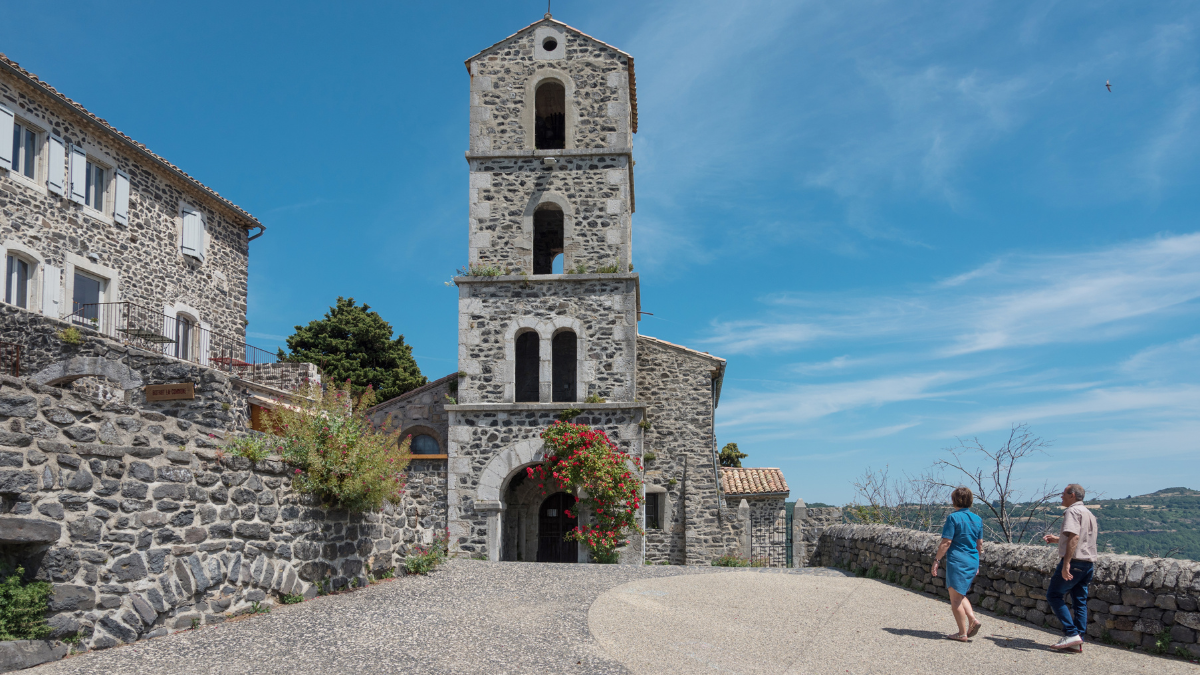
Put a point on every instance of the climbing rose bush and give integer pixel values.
(335, 452)
(579, 458)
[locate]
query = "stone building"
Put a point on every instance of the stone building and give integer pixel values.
(89, 217)
(763, 493)
(548, 318)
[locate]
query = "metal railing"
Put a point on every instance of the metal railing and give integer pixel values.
(10, 359)
(176, 336)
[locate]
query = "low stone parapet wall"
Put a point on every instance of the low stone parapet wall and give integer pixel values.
(1133, 600)
(145, 526)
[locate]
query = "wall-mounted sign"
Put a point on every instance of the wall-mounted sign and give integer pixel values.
(170, 392)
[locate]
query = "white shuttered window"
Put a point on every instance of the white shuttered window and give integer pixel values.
(7, 119)
(56, 167)
(121, 205)
(192, 242)
(51, 290)
(78, 174)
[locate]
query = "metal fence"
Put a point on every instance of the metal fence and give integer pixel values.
(10, 359)
(176, 336)
(770, 543)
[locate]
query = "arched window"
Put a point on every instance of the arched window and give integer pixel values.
(527, 367)
(425, 444)
(184, 334)
(547, 237)
(550, 123)
(563, 369)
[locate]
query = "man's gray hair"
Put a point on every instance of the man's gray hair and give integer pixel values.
(1077, 490)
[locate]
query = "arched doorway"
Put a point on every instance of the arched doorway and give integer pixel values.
(553, 525)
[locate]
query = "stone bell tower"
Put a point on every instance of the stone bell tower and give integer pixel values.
(548, 313)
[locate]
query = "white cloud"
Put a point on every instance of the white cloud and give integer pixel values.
(1011, 302)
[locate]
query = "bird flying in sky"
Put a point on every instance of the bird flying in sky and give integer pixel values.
(1108, 84)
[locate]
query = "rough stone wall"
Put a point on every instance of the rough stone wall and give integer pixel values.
(601, 309)
(808, 523)
(157, 529)
(285, 375)
(146, 252)
(420, 411)
(1132, 600)
(676, 384)
(594, 195)
(478, 436)
(425, 505)
(598, 115)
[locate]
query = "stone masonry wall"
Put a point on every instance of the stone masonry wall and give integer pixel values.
(593, 193)
(603, 311)
(676, 384)
(153, 528)
(146, 252)
(598, 76)
(1132, 600)
(476, 436)
(807, 525)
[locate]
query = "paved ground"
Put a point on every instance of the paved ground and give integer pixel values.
(478, 617)
(783, 623)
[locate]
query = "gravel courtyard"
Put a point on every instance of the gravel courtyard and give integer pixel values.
(479, 617)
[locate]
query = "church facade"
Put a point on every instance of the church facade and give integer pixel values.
(548, 315)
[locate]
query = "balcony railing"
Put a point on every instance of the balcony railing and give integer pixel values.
(10, 359)
(180, 337)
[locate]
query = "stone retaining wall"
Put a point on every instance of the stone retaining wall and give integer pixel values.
(1133, 600)
(145, 526)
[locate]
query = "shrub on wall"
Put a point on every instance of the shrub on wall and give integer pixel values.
(579, 458)
(335, 451)
(23, 608)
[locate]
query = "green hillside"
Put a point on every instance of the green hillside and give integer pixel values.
(1151, 524)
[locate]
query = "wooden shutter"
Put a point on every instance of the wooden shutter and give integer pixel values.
(57, 156)
(193, 233)
(121, 208)
(51, 291)
(7, 120)
(78, 174)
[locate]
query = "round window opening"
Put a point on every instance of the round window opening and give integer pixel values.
(425, 445)
(550, 44)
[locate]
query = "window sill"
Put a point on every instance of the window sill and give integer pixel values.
(95, 215)
(508, 407)
(26, 182)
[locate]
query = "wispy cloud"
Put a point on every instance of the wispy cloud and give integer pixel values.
(1011, 302)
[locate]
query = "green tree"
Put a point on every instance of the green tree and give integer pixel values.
(353, 343)
(730, 456)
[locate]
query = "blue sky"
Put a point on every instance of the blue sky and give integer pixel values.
(901, 222)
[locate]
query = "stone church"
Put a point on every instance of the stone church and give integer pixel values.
(548, 316)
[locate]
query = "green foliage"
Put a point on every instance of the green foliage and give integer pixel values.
(649, 456)
(336, 453)
(569, 414)
(593, 398)
(671, 482)
(480, 270)
(424, 559)
(645, 425)
(195, 622)
(389, 573)
(1162, 643)
(731, 456)
(581, 268)
(253, 447)
(291, 599)
(609, 269)
(23, 607)
(70, 336)
(760, 562)
(583, 461)
(257, 608)
(873, 573)
(353, 343)
(730, 560)
(322, 586)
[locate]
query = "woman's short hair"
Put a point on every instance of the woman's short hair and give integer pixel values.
(962, 497)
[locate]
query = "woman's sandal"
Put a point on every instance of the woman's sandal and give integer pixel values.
(974, 629)
(957, 637)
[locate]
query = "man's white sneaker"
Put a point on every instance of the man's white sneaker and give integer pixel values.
(1073, 643)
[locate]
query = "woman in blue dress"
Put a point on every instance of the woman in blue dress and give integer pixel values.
(962, 545)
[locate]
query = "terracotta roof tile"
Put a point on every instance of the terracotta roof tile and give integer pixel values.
(747, 481)
(54, 93)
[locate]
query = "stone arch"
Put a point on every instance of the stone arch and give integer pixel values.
(504, 465)
(415, 430)
(540, 199)
(529, 113)
(76, 367)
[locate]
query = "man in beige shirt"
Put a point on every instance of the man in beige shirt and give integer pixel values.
(1077, 555)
